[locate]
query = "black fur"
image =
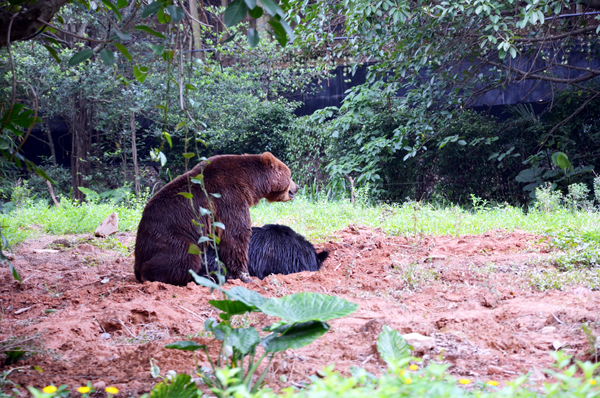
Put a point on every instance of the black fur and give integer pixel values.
(277, 249)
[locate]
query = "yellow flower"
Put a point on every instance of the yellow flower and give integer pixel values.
(413, 367)
(402, 372)
(464, 381)
(49, 389)
(493, 383)
(111, 390)
(408, 381)
(84, 389)
(592, 382)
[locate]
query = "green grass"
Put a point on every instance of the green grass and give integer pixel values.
(319, 220)
(69, 218)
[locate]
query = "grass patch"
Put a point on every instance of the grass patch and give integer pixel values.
(317, 220)
(545, 279)
(69, 218)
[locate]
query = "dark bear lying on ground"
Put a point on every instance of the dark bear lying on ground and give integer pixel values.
(276, 249)
(169, 224)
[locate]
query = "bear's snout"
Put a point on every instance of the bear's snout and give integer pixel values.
(293, 189)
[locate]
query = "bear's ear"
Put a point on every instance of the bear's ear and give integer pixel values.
(268, 159)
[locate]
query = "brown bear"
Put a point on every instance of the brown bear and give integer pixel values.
(169, 223)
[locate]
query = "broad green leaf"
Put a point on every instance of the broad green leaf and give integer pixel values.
(14, 272)
(88, 192)
(147, 29)
(112, 7)
(256, 12)
(219, 225)
(305, 307)
(231, 307)
(152, 9)
(202, 281)
(3, 143)
(561, 160)
(243, 340)
(239, 293)
(250, 4)
(162, 17)
(272, 8)
(140, 73)
(168, 138)
(391, 346)
(158, 49)
(15, 111)
(52, 52)
(122, 3)
(81, 56)
(246, 296)
(216, 195)
(42, 173)
(220, 330)
(296, 336)
(189, 155)
(108, 57)
(193, 249)
(185, 345)
(253, 38)
(123, 50)
(176, 13)
(123, 36)
(280, 31)
(181, 386)
(235, 13)
(230, 38)
(186, 195)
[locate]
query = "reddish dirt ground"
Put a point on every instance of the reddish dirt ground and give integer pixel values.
(90, 320)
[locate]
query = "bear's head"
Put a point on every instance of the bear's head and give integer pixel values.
(283, 188)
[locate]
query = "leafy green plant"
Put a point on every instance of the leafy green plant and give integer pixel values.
(593, 341)
(404, 380)
(113, 195)
(415, 275)
(303, 320)
(577, 251)
(577, 198)
(548, 200)
(391, 346)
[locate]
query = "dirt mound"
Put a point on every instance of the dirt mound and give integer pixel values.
(92, 321)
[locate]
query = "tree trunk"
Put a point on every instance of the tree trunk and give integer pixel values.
(81, 136)
(136, 170)
(122, 143)
(51, 144)
(197, 35)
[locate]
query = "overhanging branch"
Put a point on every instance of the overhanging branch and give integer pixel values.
(27, 21)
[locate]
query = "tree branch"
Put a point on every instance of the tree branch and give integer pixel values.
(558, 37)
(527, 75)
(27, 21)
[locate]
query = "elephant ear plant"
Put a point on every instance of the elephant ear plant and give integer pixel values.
(303, 320)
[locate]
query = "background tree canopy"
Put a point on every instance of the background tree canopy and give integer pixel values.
(95, 86)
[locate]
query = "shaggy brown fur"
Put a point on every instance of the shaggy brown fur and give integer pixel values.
(166, 230)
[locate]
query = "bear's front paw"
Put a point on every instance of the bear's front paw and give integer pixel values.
(245, 277)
